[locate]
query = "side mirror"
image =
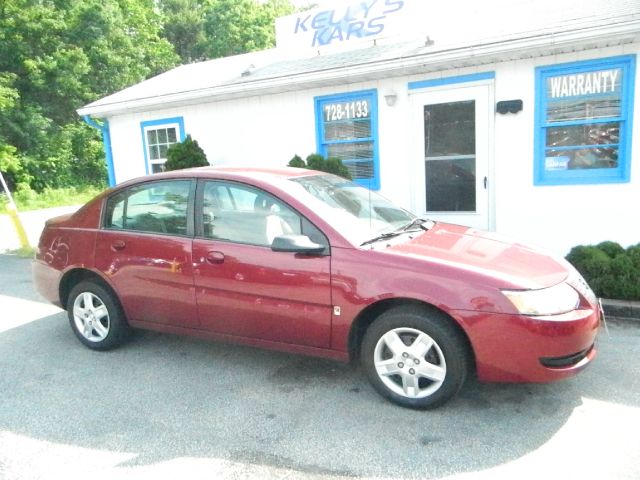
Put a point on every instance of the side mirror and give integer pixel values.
(296, 244)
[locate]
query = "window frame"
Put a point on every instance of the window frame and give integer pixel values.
(620, 174)
(147, 125)
(131, 189)
(322, 145)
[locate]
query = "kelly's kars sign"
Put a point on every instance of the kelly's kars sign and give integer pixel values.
(346, 22)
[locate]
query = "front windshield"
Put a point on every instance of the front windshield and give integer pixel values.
(356, 212)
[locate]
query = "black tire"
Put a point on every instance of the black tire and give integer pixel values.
(96, 317)
(404, 379)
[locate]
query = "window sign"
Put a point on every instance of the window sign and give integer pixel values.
(347, 129)
(583, 122)
(157, 137)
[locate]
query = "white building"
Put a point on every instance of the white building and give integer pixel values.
(515, 116)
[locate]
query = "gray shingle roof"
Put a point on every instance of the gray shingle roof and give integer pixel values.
(454, 25)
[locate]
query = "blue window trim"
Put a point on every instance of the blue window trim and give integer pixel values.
(622, 173)
(156, 123)
(371, 183)
(437, 82)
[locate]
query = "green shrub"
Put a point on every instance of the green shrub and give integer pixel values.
(297, 162)
(315, 161)
(186, 154)
(610, 270)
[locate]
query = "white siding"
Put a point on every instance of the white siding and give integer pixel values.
(269, 130)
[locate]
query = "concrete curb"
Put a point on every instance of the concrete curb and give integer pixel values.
(622, 309)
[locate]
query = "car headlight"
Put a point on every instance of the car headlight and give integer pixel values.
(554, 300)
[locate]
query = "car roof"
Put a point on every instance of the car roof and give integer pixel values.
(229, 172)
(238, 173)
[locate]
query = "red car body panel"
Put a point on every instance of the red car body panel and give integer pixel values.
(310, 304)
(153, 275)
(269, 296)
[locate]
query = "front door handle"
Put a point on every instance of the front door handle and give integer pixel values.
(215, 257)
(485, 183)
(118, 245)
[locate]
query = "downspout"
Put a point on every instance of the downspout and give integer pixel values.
(106, 140)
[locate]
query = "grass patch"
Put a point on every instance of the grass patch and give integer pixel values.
(27, 199)
(23, 252)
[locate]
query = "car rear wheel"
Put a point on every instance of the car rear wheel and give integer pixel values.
(415, 357)
(96, 317)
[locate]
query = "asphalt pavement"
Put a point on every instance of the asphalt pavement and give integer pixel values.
(171, 407)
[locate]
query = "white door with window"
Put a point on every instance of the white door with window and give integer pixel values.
(452, 148)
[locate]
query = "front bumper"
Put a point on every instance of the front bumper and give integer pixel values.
(518, 348)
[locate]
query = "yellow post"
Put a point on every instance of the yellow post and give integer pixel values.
(13, 214)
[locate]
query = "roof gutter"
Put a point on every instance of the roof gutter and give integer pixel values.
(106, 140)
(433, 60)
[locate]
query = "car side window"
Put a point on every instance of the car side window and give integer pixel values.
(243, 214)
(157, 207)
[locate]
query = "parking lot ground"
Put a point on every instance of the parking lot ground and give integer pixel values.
(170, 407)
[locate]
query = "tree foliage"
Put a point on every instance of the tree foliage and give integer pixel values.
(183, 27)
(56, 56)
(239, 26)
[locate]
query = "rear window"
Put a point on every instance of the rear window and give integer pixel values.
(158, 207)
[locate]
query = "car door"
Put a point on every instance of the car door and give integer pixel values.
(245, 289)
(144, 247)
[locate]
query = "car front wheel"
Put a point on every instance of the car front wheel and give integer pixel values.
(96, 317)
(415, 357)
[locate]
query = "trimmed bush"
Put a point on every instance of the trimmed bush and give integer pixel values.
(187, 154)
(610, 270)
(315, 161)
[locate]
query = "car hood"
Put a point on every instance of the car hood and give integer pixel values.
(490, 257)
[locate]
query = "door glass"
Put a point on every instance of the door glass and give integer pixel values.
(158, 207)
(242, 214)
(450, 156)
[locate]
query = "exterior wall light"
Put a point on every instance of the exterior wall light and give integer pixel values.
(391, 97)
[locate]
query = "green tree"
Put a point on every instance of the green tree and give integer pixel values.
(58, 55)
(186, 154)
(183, 27)
(233, 27)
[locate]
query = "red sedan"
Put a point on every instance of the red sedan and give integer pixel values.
(307, 262)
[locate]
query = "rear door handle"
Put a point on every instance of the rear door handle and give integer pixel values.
(215, 257)
(118, 245)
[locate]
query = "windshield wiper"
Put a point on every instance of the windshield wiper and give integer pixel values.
(382, 237)
(416, 222)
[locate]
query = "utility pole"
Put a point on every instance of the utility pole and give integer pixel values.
(13, 213)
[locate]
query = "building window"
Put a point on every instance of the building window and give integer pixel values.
(347, 128)
(157, 137)
(584, 113)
